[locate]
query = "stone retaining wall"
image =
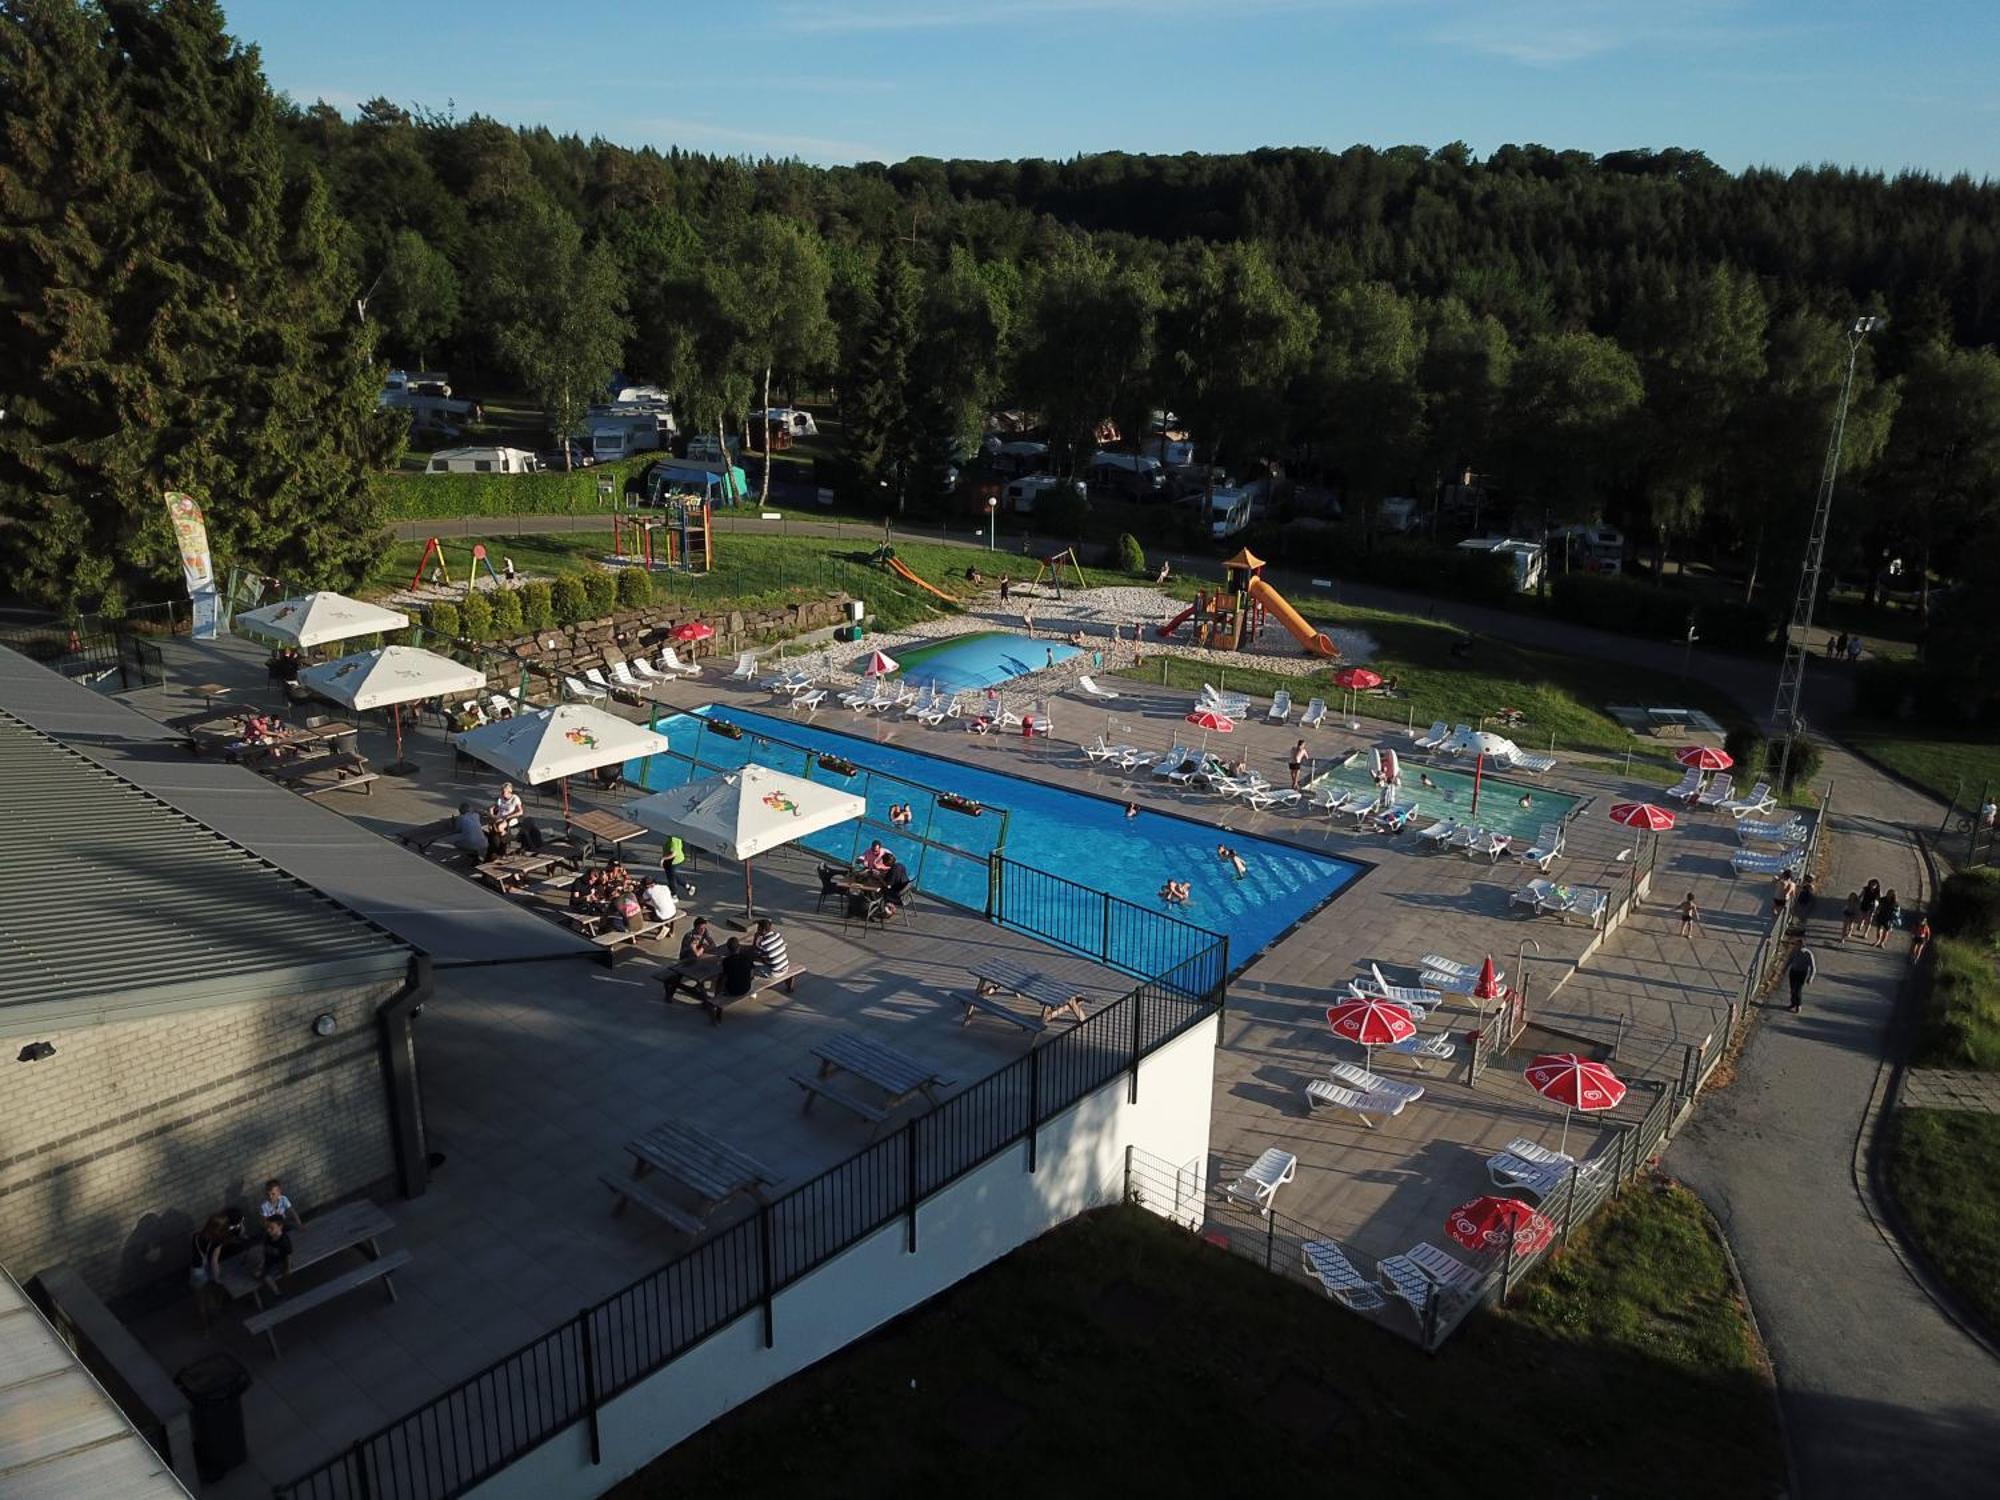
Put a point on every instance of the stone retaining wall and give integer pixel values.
(571, 648)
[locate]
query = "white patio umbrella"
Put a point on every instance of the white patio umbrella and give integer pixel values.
(742, 814)
(388, 678)
(1482, 742)
(881, 664)
(563, 741)
(317, 620)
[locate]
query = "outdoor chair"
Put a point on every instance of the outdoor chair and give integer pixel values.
(1261, 1180)
(1721, 791)
(1546, 849)
(584, 690)
(1535, 895)
(1420, 1010)
(1315, 714)
(1428, 997)
(1417, 1047)
(1403, 1278)
(1489, 844)
(1561, 1161)
(1432, 738)
(1458, 978)
(1355, 1076)
(1264, 798)
(810, 700)
(1756, 803)
(1507, 1170)
(746, 667)
(1324, 1094)
(832, 887)
(1685, 789)
(1281, 707)
(1090, 689)
(670, 662)
(1329, 1265)
(1440, 834)
(1530, 761)
(1444, 1268)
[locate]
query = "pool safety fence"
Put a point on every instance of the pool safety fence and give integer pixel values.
(565, 1377)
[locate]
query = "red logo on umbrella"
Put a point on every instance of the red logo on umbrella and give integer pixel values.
(1642, 815)
(1488, 1224)
(1372, 1023)
(1705, 758)
(1208, 718)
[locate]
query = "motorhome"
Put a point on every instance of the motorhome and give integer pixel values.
(482, 461)
(1021, 494)
(1595, 548)
(1131, 476)
(1229, 511)
(1010, 460)
(787, 419)
(1172, 451)
(619, 429)
(416, 380)
(1525, 558)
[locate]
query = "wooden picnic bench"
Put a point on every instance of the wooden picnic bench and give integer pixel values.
(381, 1269)
(702, 977)
(896, 1074)
(352, 1226)
(998, 978)
(630, 937)
(713, 1170)
(513, 871)
(342, 770)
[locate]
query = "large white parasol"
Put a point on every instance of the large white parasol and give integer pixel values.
(388, 677)
(745, 813)
(317, 620)
(564, 741)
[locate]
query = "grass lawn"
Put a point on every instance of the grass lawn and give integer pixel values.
(1560, 695)
(1947, 768)
(1120, 1355)
(1944, 1168)
(1960, 1024)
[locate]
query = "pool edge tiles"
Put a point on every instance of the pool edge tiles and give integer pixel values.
(1050, 822)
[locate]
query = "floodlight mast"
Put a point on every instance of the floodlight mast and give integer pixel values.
(1785, 718)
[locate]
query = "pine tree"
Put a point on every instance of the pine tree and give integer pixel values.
(882, 429)
(183, 312)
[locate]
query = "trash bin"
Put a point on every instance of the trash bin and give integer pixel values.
(214, 1387)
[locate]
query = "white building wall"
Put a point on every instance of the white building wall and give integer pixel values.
(1000, 1206)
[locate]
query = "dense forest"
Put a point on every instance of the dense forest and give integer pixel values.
(1640, 336)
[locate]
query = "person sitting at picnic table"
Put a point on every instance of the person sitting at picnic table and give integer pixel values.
(507, 811)
(628, 912)
(589, 894)
(277, 1206)
(254, 729)
(773, 960)
(467, 715)
(698, 944)
(658, 900)
(739, 969)
(875, 857)
(205, 1251)
(474, 834)
(277, 1253)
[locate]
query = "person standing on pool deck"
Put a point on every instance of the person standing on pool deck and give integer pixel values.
(1298, 763)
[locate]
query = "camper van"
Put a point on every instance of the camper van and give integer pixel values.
(1011, 460)
(1130, 476)
(787, 419)
(482, 461)
(1525, 557)
(1229, 511)
(1020, 495)
(1595, 548)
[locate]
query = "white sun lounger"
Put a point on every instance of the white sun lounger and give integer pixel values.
(1489, 844)
(622, 675)
(1419, 1009)
(1508, 1170)
(1750, 830)
(1102, 749)
(1132, 760)
(1395, 819)
(1586, 901)
(1546, 849)
(1756, 862)
(1440, 834)
(670, 661)
(1402, 1278)
(1261, 1180)
(579, 689)
(1433, 737)
(1281, 707)
(746, 667)
(810, 700)
(1534, 763)
(1561, 1161)
(1315, 714)
(1266, 797)
(1090, 689)
(1534, 895)
(1685, 789)
(1718, 793)
(1446, 1269)
(1756, 804)
(1457, 978)
(1173, 760)
(1417, 1047)
(1329, 1265)
(1357, 1077)
(1322, 1094)
(1403, 994)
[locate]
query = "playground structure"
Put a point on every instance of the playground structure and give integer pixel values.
(1233, 616)
(434, 548)
(885, 557)
(685, 523)
(1051, 569)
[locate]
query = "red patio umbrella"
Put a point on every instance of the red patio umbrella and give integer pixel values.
(1207, 720)
(1705, 758)
(1642, 815)
(1574, 1083)
(1356, 680)
(693, 630)
(1371, 1022)
(1488, 986)
(1488, 1224)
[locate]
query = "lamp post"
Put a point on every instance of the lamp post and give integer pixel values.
(992, 520)
(1687, 652)
(1785, 718)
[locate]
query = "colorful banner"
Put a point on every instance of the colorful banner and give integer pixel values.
(191, 536)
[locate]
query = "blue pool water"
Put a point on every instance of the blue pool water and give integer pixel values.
(1082, 838)
(1499, 801)
(973, 663)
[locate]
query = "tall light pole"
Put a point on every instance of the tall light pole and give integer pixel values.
(992, 519)
(1785, 718)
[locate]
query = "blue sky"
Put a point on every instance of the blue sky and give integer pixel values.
(1771, 82)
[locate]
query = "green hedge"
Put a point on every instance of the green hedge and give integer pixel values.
(1131, 556)
(1478, 577)
(1910, 692)
(1968, 905)
(1961, 1021)
(1631, 607)
(424, 497)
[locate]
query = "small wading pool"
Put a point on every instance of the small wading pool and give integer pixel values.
(1082, 838)
(973, 663)
(1499, 801)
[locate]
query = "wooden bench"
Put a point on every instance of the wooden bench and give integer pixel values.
(820, 1088)
(1040, 991)
(324, 773)
(610, 942)
(979, 1002)
(379, 1269)
(648, 1197)
(701, 979)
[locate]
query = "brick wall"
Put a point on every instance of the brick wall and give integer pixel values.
(114, 1150)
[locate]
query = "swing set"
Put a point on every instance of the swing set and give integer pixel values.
(1052, 566)
(435, 549)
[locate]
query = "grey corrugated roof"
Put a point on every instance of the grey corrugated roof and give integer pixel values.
(112, 902)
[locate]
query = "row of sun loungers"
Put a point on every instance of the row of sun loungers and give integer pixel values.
(1547, 899)
(1441, 741)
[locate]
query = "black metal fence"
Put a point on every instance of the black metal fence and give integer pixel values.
(122, 651)
(563, 1378)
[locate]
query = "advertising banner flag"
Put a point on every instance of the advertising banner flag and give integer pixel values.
(191, 536)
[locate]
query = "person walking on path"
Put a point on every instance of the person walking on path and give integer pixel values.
(1920, 939)
(1870, 894)
(1781, 896)
(1850, 915)
(1690, 916)
(1800, 972)
(1808, 892)
(1298, 763)
(1885, 917)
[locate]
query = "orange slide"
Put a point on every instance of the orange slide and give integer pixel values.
(1315, 641)
(1167, 630)
(901, 570)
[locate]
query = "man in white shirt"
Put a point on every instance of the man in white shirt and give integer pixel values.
(658, 901)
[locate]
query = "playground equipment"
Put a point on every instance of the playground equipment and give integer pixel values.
(434, 548)
(1052, 567)
(689, 538)
(1233, 616)
(885, 556)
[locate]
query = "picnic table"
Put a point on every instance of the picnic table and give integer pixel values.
(1670, 723)
(605, 827)
(713, 1170)
(511, 871)
(352, 1226)
(896, 1074)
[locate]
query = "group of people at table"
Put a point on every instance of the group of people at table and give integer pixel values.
(877, 876)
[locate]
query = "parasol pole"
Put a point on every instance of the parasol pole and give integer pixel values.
(1564, 1147)
(1478, 771)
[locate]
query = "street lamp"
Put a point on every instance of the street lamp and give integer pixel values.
(1785, 719)
(992, 520)
(1687, 651)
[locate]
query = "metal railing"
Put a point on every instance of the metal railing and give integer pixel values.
(100, 648)
(565, 1377)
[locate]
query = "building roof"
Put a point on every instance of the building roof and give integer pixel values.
(114, 904)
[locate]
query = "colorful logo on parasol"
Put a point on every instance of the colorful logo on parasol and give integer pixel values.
(581, 737)
(779, 802)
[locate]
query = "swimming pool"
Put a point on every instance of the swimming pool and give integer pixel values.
(987, 658)
(1082, 838)
(1499, 801)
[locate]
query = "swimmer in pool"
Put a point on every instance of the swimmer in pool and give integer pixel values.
(1231, 858)
(1131, 809)
(1176, 892)
(1424, 781)
(1527, 800)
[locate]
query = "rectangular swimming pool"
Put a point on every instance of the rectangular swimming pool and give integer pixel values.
(1082, 838)
(1450, 796)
